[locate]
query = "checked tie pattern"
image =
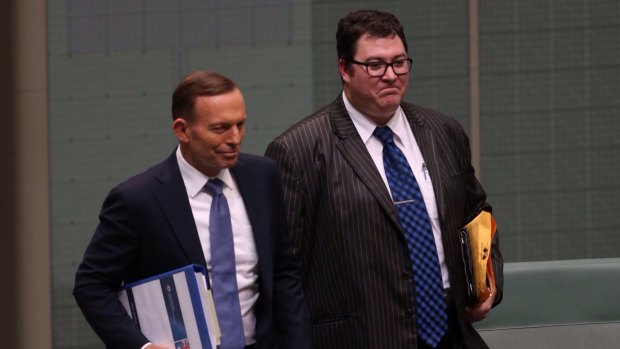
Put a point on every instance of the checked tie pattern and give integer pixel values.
(223, 271)
(432, 319)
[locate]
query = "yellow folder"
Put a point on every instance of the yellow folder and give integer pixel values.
(476, 238)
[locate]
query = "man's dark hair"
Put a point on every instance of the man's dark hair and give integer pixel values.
(196, 84)
(365, 22)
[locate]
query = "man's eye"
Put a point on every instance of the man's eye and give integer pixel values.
(218, 128)
(375, 65)
(399, 63)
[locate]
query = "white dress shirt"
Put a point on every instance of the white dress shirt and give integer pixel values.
(404, 139)
(246, 256)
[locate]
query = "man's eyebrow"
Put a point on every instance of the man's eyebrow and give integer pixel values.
(375, 58)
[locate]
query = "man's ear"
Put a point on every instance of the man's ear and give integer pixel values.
(343, 69)
(180, 128)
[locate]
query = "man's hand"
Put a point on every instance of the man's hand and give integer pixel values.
(158, 346)
(480, 311)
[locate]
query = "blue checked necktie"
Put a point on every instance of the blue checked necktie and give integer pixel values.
(223, 272)
(432, 319)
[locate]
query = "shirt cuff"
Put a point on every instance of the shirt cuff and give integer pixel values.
(146, 345)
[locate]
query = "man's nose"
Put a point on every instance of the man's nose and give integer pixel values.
(236, 135)
(389, 74)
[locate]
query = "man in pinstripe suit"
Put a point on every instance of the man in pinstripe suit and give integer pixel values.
(344, 225)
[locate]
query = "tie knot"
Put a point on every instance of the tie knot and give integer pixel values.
(214, 187)
(384, 134)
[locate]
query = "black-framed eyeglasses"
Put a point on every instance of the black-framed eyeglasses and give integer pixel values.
(376, 69)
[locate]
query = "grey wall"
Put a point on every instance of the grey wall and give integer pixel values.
(550, 82)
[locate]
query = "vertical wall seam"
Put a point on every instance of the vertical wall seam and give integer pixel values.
(474, 85)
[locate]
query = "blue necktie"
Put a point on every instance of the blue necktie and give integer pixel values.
(223, 272)
(432, 319)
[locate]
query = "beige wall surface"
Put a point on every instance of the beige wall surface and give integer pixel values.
(24, 209)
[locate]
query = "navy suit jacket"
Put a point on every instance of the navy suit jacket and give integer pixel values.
(146, 228)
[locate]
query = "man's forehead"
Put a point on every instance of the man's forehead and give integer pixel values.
(370, 42)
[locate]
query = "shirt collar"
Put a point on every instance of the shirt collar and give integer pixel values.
(365, 127)
(195, 180)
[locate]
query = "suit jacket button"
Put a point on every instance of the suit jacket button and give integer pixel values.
(406, 275)
(409, 313)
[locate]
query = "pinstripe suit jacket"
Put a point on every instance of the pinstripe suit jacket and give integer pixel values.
(357, 275)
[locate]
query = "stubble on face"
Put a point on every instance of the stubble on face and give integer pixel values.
(375, 97)
(215, 132)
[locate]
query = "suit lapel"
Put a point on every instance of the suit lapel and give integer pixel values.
(355, 153)
(252, 201)
(426, 142)
(172, 198)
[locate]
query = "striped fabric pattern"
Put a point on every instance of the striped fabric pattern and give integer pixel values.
(356, 269)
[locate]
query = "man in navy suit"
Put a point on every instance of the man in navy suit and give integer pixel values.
(158, 221)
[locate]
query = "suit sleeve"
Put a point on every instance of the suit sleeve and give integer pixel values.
(101, 272)
(296, 197)
(496, 253)
(477, 203)
(291, 318)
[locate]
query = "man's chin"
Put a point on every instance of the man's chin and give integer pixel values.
(390, 104)
(230, 161)
(390, 99)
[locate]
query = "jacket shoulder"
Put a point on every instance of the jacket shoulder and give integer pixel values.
(254, 161)
(311, 128)
(434, 120)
